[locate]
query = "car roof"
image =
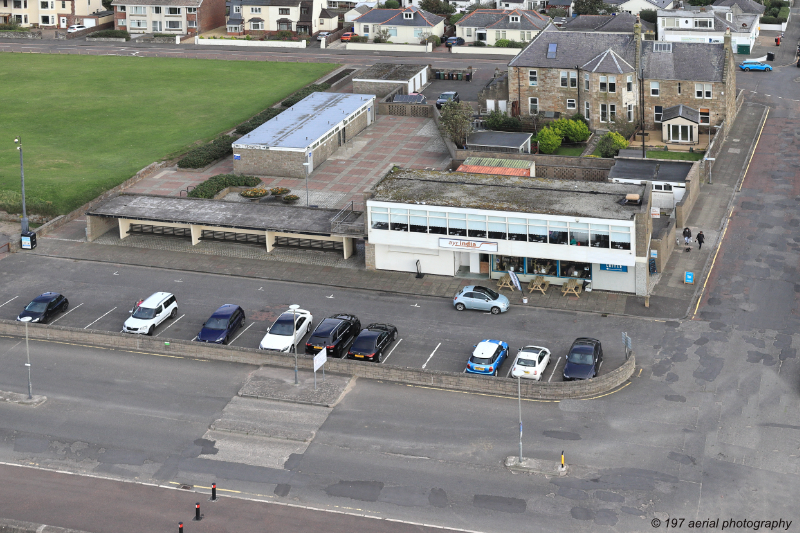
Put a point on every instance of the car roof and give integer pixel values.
(486, 348)
(326, 326)
(225, 310)
(448, 92)
(46, 297)
(155, 299)
(343, 316)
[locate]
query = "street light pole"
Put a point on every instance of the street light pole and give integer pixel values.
(28, 364)
(306, 166)
(519, 399)
(294, 308)
(24, 228)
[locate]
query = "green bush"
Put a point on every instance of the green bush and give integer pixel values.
(212, 186)
(13, 26)
(391, 4)
(435, 40)
(549, 140)
(499, 121)
(11, 202)
(246, 127)
(572, 131)
(479, 43)
(359, 39)
(649, 15)
(305, 91)
(579, 117)
(784, 13)
(509, 43)
(106, 34)
(283, 35)
(611, 143)
(208, 153)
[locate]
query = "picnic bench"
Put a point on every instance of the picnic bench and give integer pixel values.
(505, 281)
(538, 284)
(572, 286)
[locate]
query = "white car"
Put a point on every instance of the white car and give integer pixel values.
(76, 27)
(530, 363)
(321, 35)
(279, 335)
(150, 313)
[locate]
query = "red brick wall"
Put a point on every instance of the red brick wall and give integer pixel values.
(118, 16)
(212, 14)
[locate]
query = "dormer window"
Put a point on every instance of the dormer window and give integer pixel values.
(514, 18)
(702, 23)
(729, 17)
(408, 15)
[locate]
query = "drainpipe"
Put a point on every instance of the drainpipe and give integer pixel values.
(578, 67)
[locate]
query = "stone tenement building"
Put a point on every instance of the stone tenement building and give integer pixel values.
(596, 74)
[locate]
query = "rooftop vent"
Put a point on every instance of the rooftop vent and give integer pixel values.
(631, 199)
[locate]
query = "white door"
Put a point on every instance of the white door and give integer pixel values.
(63, 22)
(369, 116)
(501, 105)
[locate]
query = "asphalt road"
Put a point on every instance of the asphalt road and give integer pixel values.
(432, 334)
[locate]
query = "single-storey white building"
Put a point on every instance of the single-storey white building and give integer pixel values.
(404, 26)
(382, 78)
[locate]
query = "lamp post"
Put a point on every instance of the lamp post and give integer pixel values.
(307, 165)
(28, 364)
(294, 308)
(24, 228)
(519, 399)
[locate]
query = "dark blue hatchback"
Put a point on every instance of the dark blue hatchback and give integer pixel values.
(221, 326)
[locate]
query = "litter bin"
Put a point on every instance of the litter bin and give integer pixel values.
(770, 56)
(460, 76)
(469, 76)
(450, 75)
(28, 240)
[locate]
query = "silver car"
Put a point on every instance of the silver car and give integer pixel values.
(481, 299)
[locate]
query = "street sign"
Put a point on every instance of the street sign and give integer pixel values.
(688, 277)
(626, 341)
(320, 359)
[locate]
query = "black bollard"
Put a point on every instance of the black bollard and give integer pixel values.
(180, 527)
(213, 492)
(197, 512)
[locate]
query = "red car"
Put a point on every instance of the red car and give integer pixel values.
(347, 36)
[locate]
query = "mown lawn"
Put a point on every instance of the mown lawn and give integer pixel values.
(569, 150)
(88, 123)
(680, 156)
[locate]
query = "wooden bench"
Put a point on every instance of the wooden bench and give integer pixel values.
(538, 284)
(572, 286)
(505, 281)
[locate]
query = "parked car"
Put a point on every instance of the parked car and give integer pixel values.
(454, 41)
(222, 324)
(755, 66)
(282, 335)
(347, 36)
(321, 35)
(150, 313)
(335, 333)
(531, 362)
(583, 359)
(487, 357)
(372, 341)
(43, 308)
(480, 298)
(449, 96)
(76, 27)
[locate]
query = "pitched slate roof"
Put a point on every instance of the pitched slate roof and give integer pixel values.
(586, 22)
(608, 62)
(742, 23)
(325, 14)
(660, 4)
(687, 61)
(361, 9)
(621, 22)
(683, 111)
(747, 6)
(394, 17)
(574, 48)
(564, 3)
(172, 3)
(498, 19)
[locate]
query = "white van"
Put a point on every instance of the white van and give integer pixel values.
(150, 313)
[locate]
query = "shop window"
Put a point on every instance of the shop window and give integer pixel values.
(537, 231)
(497, 228)
(541, 267)
(437, 223)
(457, 225)
(578, 234)
(417, 221)
(574, 269)
(380, 218)
(517, 229)
(502, 263)
(558, 232)
(399, 219)
(600, 236)
(620, 237)
(476, 226)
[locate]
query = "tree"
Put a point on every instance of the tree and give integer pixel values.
(381, 36)
(391, 4)
(437, 7)
(549, 140)
(611, 143)
(473, 7)
(456, 120)
(621, 125)
(649, 15)
(591, 7)
(455, 18)
(499, 121)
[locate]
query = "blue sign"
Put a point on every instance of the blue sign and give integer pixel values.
(237, 156)
(614, 268)
(688, 277)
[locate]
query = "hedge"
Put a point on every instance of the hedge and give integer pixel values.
(509, 43)
(208, 153)
(213, 185)
(305, 91)
(115, 34)
(246, 127)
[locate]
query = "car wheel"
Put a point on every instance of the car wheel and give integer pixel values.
(460, 307)
(65, 306)
(225, 340)
(378, 357)
(494, 373)
(174, 312)
(495, 310)
(150, 331)
(394, 337)
(747, 70)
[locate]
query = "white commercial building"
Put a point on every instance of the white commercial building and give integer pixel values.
(467, 224)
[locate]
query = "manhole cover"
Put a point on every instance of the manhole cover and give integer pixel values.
(796, 80)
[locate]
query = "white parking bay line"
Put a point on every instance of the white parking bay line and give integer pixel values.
(173, 322)
(242, 333)
(508, 374)
(87, 327)
(554, 369)
(65, 314)
(11, 300)
(392, 350)
(431, 355)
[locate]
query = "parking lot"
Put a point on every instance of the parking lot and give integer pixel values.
(432, 334)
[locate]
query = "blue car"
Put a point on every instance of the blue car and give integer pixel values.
(221, 326)
(480, 298)
(755, 66)
(487, 357)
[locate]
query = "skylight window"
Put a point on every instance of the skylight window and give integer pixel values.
(551, 50)
(662, 47)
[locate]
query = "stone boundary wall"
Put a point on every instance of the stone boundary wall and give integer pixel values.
(429, 378)
(33, 34)
(405, 110)
(684, 208)
(664, 244)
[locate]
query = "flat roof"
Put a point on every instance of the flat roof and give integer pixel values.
(502, 139)
(305, 122)
(389, 72)
(217, 213)
(649, 170)
(510, 193)
(497, 162)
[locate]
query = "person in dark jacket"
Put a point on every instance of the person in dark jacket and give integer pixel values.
(700, 240)
(687, 236)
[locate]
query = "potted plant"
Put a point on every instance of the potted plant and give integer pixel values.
(290, 198)
(279, 191)
(256, 193)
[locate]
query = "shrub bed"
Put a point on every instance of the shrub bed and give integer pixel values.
(12, 27)
(114, 34)
(208, 153)
(305, 91)
(212, 186)
(256, 121)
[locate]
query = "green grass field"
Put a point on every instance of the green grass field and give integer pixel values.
(678, 156)
(88, 123)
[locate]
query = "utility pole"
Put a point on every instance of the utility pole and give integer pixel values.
(519, 399)
(28, 364)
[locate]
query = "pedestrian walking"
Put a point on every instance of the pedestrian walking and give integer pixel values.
(687, 236)
(700, 240)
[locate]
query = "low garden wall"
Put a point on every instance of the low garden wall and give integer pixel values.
(485, 50)
(112, 39)
(430, 378)
(257, 44)
(33, 34)
(422, 48)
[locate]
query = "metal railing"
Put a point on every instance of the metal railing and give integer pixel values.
(187, 190)
(348, 221)
(7, 246)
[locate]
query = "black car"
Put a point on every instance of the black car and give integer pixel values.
(583, 359)
(43, 308)
(334, 333)
(449, 96)
(372, 341)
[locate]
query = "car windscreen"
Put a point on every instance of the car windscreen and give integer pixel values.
(581, 355)
(526, 362)
(36, 307)
(282, 326)
(144, 313)
(364, 343)
(445, 96)
(216, 322)
(489, 292)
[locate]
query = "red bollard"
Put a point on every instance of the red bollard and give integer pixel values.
(213, 492)
(180, 527)
(197, 512)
